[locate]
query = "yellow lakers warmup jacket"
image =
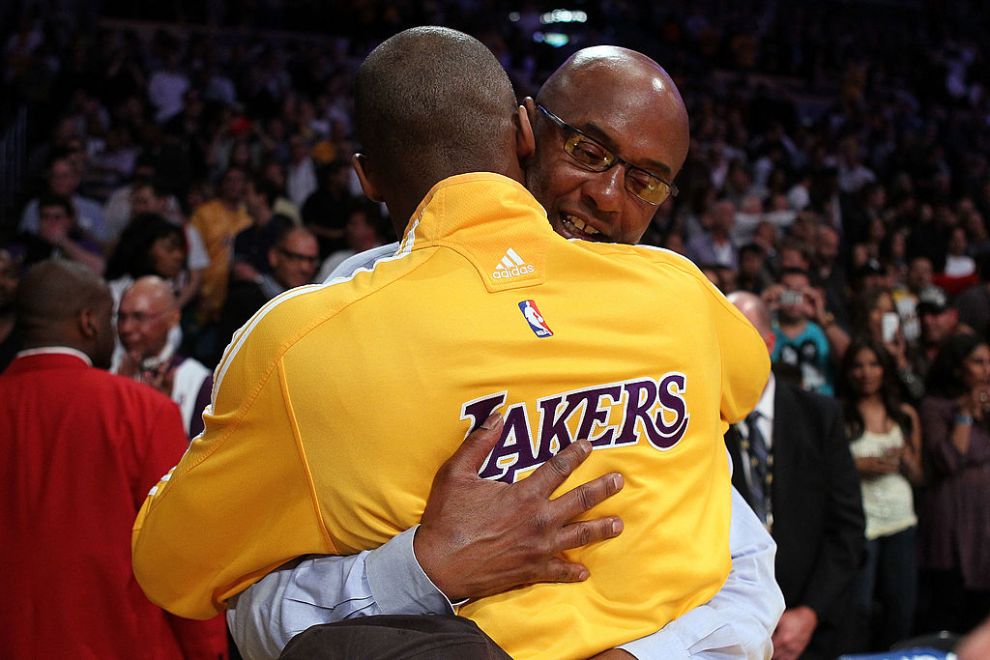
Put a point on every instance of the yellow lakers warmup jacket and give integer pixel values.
(335, 405)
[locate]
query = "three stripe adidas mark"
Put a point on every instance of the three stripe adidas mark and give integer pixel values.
(511, 265)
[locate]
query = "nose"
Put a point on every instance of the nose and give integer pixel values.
(604, 190)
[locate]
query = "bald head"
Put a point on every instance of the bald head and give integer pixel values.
(63, 303)
(629, 105)
(148, 312)
(629, 83)
(431, 103)
(156, 290)
(756, 312)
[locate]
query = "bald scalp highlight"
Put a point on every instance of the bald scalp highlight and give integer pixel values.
(155, 288)
(431, 103)
(619, 70)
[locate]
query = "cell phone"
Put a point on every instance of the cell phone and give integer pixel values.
(888, 327)
(791, 297)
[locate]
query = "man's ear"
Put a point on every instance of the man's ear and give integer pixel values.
(360, 164)
(88, 326)
(525, 142)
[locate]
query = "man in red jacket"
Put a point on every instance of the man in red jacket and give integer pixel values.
(79, 449)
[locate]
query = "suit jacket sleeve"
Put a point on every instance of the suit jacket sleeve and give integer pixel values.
(841, 553)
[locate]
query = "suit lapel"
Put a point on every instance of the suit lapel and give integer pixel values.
(787, 442)
(738, 476)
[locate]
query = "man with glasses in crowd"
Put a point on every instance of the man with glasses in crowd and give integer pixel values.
(148, 314)
(588, 197)
(292, 261)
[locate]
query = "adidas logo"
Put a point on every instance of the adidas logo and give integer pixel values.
(511, 265)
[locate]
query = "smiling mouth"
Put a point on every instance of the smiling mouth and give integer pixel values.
(575, 227)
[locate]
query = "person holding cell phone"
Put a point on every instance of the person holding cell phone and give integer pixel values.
(875, 317)
(802, 344)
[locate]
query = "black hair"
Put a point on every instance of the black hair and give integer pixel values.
(132, 256)
(889, 390)
(944, 377)
(266, 187)
(432, 102)
(864, 303)
(51, 199)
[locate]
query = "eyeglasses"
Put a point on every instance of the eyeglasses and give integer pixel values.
(138, 317)
(592, 155)
(296, 256)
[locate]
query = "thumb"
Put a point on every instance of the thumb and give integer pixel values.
(471, 455)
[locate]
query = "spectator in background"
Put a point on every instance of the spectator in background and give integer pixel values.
(885, 440)
(79, 449)
(113, 162)
(801, 343)
(58, 236)
(955, 529)
(365, 229)
(875, 318)
(151, 245)
(10, 335)
(251, 246)
(973, 304)
(292, 261)
(917, 280)
(301, 180)
(938, 323)
(117, 210)
(63, 181)
(958, 264)
(273, 172)
(715, 245)
(753, 275)
(148, 197)
(326, 210)
(828, 272)
(147, 317)
(168, 85)
(218, 222)
(853, 174)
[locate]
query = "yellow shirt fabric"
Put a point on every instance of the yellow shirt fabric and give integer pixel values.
(218, 225)
(335, 405)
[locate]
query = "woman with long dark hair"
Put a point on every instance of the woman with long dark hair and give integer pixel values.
(885, 440)
(955, 530)
(149, 245)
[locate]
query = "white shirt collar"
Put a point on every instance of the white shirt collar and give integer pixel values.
(56, 350)
(765, 405)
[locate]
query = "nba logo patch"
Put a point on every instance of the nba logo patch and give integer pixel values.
(535, 320)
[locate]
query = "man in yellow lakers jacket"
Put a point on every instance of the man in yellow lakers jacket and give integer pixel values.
(483, 309)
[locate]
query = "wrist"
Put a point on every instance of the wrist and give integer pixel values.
(430, 561)
(398, 582)
(826, 319)
(963, 418)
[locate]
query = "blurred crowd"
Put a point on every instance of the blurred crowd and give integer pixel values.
(838, 168)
